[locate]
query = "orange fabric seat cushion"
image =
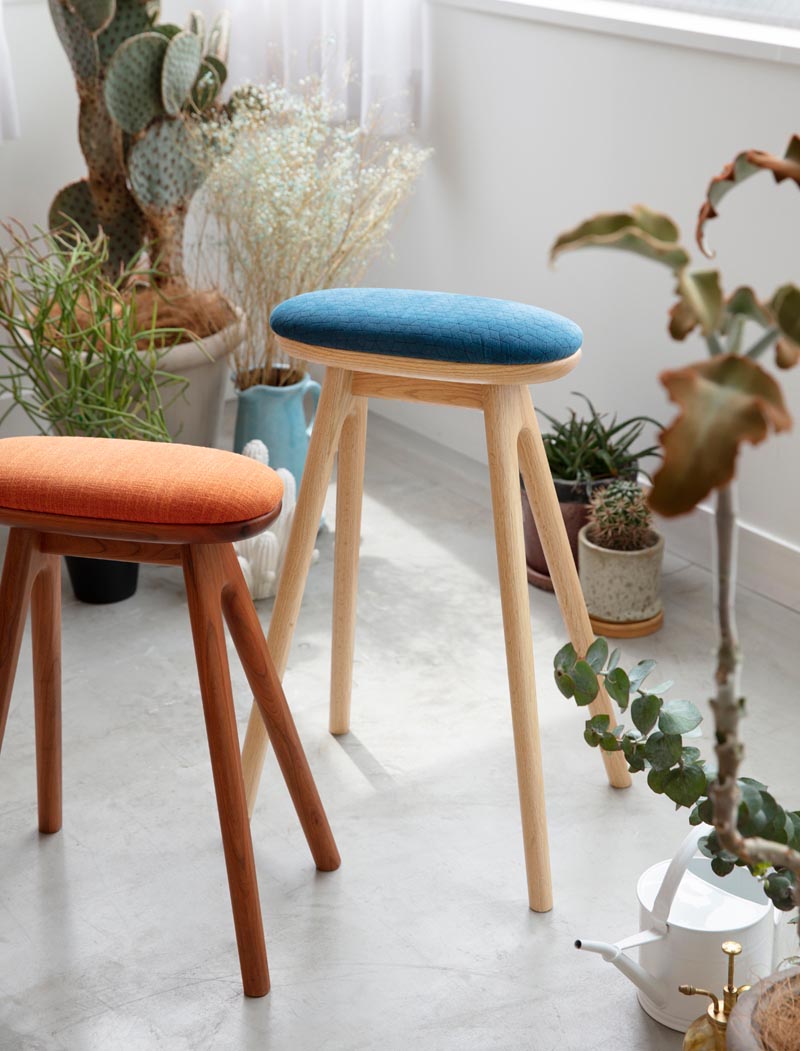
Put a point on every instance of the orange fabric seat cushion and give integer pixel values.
(133, 481)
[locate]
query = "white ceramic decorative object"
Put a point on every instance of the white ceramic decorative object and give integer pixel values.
(686, 913)
(261, 557)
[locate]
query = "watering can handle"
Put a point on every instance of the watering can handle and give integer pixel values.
(675, 873)
(313, 388)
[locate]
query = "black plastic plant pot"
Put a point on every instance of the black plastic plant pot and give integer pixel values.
(100, 581)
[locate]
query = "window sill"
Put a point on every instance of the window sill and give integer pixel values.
(656, 24)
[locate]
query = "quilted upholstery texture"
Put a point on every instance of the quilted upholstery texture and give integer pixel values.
(130, 481)
(438, 326)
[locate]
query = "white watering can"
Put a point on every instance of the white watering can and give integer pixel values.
(686, 912)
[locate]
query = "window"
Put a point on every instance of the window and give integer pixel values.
(770, 12)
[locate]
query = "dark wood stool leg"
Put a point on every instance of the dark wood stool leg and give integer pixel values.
(349, 495)
(334, 406)
(205, 579)
(46, 634)
(248, 637)
(15, 591)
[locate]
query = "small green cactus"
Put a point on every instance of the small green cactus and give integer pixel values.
(142, 87)
(619, 518)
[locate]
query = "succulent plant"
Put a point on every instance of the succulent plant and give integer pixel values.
(143, 88)
(619, 518)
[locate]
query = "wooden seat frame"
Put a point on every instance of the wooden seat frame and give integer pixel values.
(215, 590)
(514, 444)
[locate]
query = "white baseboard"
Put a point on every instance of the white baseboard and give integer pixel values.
(767, 565)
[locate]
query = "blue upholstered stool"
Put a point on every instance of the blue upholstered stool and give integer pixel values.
(451, 350)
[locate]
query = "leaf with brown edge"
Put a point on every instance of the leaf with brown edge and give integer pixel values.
(742, 167)
(724, 401)
(682, 320)
(785, 306)
(640, 231)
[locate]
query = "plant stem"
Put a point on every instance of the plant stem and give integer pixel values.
(763, 343)
(714, 345)
(727, 704)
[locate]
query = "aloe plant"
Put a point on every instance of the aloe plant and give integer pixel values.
(724, 401)
(143, 88)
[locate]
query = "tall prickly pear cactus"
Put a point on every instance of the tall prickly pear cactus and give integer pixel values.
(142, 88)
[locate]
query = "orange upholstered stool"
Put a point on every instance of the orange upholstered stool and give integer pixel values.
(171, 505)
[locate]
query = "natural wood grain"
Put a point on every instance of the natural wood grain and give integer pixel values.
(632, 629)
(205, 578)
(46, 640)
(107, 529)
(429, 391)
(248, 637)
(120, 550)
(563, 572)
(334, 407)
(423, 368)
(349, 492)
(19, 570)
(503, 422)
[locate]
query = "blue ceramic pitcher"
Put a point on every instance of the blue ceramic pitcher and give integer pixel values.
(277, 416)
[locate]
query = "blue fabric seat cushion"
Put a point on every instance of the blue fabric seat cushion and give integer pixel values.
(437, 326)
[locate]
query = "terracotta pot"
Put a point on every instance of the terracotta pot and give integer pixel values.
(573, 499)
(746, 1023)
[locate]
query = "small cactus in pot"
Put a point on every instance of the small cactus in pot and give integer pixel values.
(619, 559)
(619, 518)
(143, 89)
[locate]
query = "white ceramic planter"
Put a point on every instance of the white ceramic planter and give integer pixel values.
(620, 587)
(195, 417)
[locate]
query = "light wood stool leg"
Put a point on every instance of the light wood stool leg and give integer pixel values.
(248, 637)
(334, 407)
(15, 592)
(205, 579)
(349, 495)
(46, 638)
(503, 422)
(555, 544)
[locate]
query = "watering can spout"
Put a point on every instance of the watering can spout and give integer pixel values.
(632, 970)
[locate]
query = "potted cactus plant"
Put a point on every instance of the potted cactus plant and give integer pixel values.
(584, 453)
(145, 90)
(620, 556)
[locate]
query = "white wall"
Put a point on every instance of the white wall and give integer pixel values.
(536, 126)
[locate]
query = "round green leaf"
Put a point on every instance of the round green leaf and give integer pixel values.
(586, 684)
(662, 750)
(679, 717)
(686, 785)
(597, 654)
(618, 687)
(644, 712)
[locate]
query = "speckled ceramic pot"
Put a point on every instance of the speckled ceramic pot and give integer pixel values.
(620, 586)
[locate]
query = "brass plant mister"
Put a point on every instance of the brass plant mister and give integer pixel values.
(709, 1032)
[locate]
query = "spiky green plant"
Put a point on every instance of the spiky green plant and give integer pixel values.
(142, 87)
(73, 352)
(619, 518)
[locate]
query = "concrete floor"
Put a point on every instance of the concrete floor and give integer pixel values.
(116, 935)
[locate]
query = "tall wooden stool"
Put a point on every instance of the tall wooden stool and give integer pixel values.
(174, 505)
(450, 350)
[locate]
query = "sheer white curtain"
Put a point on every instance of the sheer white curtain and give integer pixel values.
(9, 125)
(368, 51)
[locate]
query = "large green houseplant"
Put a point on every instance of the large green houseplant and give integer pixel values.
(146, 89)
(76, 358)
(726, 400)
